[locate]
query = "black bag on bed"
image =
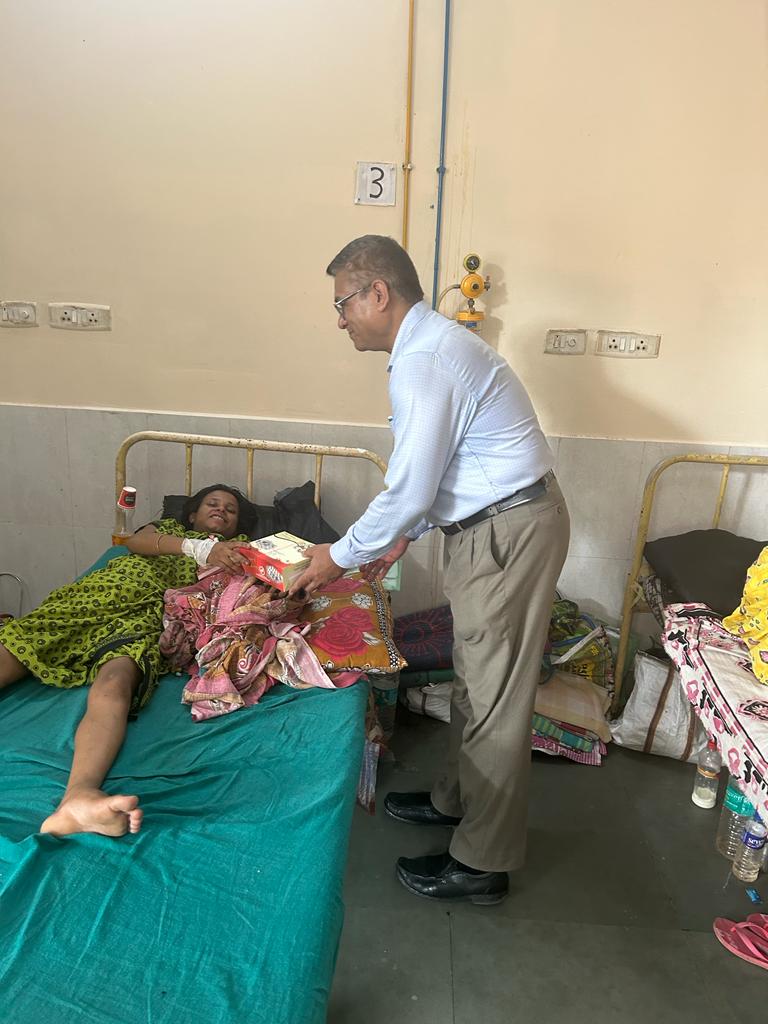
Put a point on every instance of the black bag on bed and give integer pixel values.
(299, 515)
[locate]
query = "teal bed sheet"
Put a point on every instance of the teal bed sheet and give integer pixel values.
(226, 907)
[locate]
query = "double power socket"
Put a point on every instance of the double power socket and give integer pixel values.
(69, 316)
(625, 344)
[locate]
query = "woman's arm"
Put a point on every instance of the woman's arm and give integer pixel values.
(149, 541)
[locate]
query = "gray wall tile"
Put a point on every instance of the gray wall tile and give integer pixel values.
(685, 494)
(58, 469)
(348, 485)
(599, 480)
(43, 556)
(209, 465)
(34, 462)
(745, 509)
(596, 584)
(93, 439)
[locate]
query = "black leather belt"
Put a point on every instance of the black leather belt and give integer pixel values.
(521, 497)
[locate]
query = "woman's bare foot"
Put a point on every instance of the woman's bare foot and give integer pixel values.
(91, 810)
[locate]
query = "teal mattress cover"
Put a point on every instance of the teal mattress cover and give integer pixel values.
(226, 907)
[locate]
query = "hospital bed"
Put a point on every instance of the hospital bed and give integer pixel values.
(689, 582)
(227, 906)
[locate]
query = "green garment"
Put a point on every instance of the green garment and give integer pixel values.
(114, 612)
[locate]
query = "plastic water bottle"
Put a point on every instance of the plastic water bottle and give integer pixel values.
(749, 856)
(737, 811)
(707, 776)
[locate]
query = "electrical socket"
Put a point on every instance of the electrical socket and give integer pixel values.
(72, 316)
(566, 343)
(627, 344)
(18, 313)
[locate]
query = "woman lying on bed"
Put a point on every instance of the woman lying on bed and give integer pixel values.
(104, 630)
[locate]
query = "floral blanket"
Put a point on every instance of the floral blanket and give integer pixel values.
(236, 639)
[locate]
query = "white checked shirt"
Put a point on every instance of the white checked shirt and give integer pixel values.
(466, 436)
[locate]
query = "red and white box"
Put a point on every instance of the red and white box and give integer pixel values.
(277, 560)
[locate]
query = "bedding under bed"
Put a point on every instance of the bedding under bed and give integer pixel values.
(225, 907)
(716, 675)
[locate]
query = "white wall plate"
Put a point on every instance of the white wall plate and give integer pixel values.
(79, 316)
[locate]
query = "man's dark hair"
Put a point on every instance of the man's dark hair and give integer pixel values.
(373, 257)
(193, 503)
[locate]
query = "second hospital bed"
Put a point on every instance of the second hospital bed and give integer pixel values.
(690, 582)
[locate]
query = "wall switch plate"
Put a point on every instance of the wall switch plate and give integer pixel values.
(566, 343)
(627, 344)
(76, 316)
(15, 313)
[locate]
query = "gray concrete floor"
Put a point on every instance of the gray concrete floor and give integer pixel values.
(611, 919)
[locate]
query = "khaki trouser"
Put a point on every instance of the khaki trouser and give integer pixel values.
(500, 579)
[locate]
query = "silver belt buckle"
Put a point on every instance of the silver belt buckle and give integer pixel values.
(527, 494)
(522, 500)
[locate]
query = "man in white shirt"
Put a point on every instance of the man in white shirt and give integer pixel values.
(469, 458)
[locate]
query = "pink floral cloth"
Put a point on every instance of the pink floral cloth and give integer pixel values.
(344, 633)
(236, 639)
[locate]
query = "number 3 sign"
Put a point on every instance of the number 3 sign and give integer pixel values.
(375, 184)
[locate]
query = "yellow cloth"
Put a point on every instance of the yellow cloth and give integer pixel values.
(750, 620)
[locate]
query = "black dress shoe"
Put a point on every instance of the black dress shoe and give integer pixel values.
(416, 809)
(441, 877)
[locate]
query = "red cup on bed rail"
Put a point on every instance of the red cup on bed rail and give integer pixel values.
(126, 505)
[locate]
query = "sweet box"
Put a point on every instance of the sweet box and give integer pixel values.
(277, 560)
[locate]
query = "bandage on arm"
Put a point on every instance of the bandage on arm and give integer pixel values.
(198, 549)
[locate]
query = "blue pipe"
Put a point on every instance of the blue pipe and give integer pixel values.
(441, 167)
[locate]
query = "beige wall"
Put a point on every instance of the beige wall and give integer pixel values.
(192, 165)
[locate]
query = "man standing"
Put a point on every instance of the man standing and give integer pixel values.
(470, 458)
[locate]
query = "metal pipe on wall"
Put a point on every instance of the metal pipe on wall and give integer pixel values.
(407, 166)
(441, 165)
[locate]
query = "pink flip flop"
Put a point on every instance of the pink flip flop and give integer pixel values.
(744, 939)
(760, 920)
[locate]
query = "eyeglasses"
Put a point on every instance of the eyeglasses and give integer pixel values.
(339, 303)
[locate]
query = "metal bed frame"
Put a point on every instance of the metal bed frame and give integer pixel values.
(250, 446)
(633, 596)
(20, 584)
